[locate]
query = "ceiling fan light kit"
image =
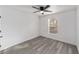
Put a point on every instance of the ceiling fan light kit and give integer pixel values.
(42, 12)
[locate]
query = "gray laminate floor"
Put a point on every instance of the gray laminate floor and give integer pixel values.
(42, 45)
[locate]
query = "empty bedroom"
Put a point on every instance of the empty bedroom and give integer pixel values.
(39, 29)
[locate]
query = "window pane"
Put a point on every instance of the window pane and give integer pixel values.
(52, 25)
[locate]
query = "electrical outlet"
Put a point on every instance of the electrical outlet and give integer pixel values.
(0, 16)
(1, 36)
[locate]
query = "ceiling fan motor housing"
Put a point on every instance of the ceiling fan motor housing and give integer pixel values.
(41, 8)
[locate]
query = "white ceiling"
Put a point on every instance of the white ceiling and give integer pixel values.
(53, 8)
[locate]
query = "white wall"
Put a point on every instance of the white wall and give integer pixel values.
(78, 28)
(66, 26)
(17, 26)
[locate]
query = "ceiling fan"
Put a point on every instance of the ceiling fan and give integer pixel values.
(41, 8)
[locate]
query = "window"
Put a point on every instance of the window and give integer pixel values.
(52, 25)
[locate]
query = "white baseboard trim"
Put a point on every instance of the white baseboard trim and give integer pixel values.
(59, 40)
(78, 49)
(17, 43)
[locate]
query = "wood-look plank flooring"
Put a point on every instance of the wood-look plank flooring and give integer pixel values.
(42, 45)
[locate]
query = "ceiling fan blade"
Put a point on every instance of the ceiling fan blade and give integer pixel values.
(36, 11)
(47, 11)
(35, 7)
(47, 6)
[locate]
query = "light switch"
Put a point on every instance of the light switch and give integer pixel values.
(0, 31)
